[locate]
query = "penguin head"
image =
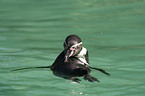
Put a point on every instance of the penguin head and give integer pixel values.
(72, 46)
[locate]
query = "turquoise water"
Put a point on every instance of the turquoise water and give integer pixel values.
(32, 33)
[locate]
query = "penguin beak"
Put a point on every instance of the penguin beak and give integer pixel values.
(69, 53)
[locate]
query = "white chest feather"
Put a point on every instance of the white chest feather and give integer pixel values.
(81, 56)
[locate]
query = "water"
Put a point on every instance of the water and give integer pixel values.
(32, 33)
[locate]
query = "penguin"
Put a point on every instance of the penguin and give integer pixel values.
(72, 62)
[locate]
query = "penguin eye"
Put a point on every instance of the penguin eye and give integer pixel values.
(73, 47)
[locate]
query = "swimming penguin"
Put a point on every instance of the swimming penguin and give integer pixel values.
(72, 62)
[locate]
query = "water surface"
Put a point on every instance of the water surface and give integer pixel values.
(32, 33)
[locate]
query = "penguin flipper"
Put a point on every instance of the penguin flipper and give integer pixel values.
(31, 68)
(101, 70)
